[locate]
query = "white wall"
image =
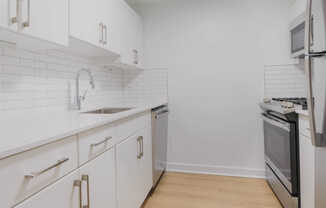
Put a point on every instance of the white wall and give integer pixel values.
(215, 51)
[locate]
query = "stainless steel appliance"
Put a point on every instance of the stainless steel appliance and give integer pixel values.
(297, 36)
(160, 139)
(315, 69)
(281, 142)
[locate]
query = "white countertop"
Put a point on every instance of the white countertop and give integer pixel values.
(25, 130)
(302, 112)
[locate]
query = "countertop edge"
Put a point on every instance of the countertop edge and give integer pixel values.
(302, 112)
(64, 135)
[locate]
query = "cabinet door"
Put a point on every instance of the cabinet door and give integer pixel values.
(101, 181)
(86, 21)
(112, 22)
(131, 29)
(61, 194)
(146, 171)
(307, 172)
(8, 10)
(46, 20)
(129, 190)
(134, 169)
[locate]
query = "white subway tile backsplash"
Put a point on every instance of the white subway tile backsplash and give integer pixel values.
(47, 79)
(284, 81)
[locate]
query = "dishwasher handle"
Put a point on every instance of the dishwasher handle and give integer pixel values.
(161, 113)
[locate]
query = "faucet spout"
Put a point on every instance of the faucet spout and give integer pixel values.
(91, 82)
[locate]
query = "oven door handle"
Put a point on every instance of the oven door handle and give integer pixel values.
(277, 123)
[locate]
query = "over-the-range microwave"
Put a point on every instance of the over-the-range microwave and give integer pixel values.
(297, 36)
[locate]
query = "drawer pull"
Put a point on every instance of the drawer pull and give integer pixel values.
(101, 142)
(35, 174)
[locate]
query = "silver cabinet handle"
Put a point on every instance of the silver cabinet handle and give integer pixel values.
(101, 142)
(135, 56)
(105, 35)
(142, 146)
(14, 20)
(35, 174)
(86, 178)
(28, 21)
(139, 148)
(101, 32)
(77, 183)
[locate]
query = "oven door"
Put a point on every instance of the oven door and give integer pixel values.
(277, 139)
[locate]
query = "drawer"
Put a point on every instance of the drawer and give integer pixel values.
(27, 173)
(95, 141)
(128, 126)
(304, 126)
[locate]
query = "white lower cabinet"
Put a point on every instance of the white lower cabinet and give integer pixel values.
(27, 173)
(99, 181)
(62, 194)
(307, 172)
(51, 177)
(134, 169)
(95, 181)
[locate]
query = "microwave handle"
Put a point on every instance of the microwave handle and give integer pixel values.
(308, 72)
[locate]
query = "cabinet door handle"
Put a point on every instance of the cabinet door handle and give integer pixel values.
(77, 183)
(35, 174)
(28, 22)
(139, 148)
(140, 141)
(142, 146)
(135, 56)
(101, 33)
(86, 178)
(105, 34)
(101, 142)
(14, 20)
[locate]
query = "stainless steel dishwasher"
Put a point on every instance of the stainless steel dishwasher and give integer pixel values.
(160, 141)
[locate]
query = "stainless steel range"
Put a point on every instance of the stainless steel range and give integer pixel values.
(281, 142)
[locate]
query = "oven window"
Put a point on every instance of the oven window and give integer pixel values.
(297, 38)
(277, 148)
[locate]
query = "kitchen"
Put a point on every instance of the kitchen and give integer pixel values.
(99, 98)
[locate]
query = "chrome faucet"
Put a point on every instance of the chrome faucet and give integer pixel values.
(91, 82)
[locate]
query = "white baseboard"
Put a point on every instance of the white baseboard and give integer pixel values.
(216, 170)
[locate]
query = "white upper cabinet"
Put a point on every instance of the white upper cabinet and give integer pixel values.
(85, 21)
(46, 19)
(26, 22)
(130, 30)
(110, 25)
(91, 28)
(8, 14)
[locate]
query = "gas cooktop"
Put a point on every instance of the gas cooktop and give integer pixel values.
(295, 100)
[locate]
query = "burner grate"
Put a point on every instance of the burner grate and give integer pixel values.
(295, 100)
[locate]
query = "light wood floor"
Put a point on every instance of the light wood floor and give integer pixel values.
(178, 190)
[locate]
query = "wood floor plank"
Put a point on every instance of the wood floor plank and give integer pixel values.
(180, 190)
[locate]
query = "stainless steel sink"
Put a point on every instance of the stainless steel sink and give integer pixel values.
(108, 110)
